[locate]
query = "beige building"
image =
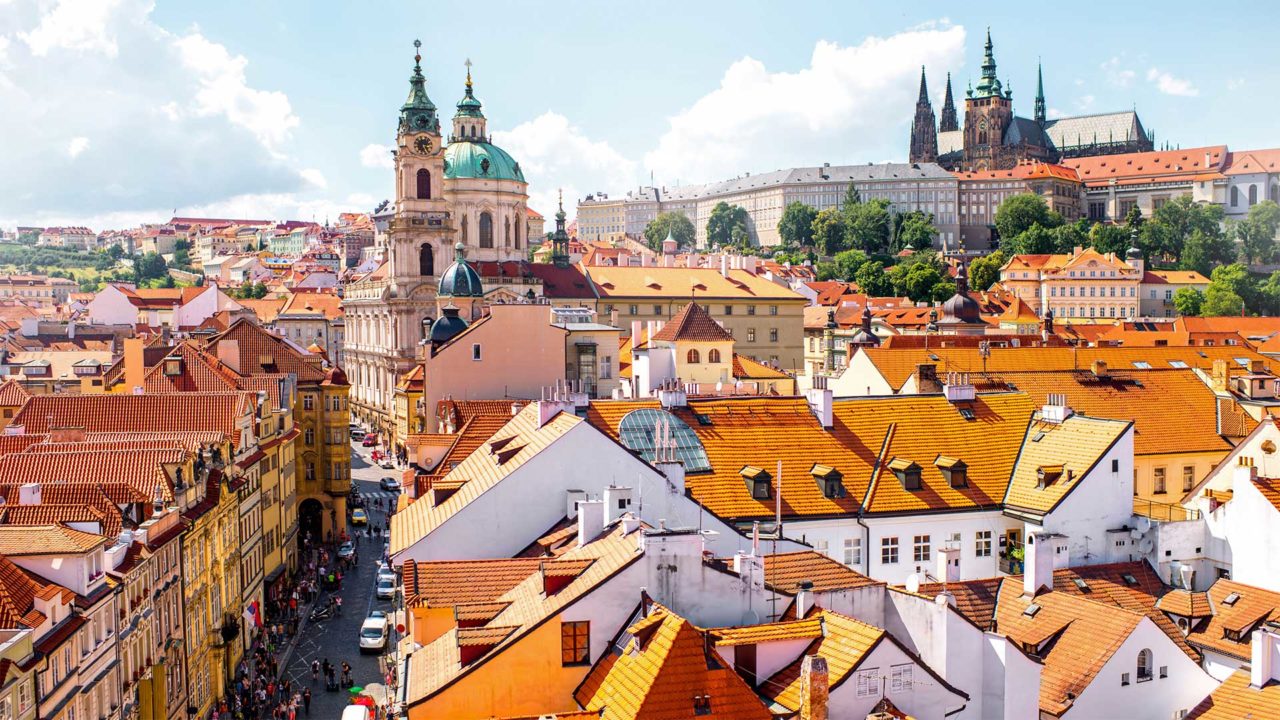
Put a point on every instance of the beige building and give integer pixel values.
(766, 319)
(907, 187)
(982, 191)
(1115, 184)
(1159, 287)
(1084, 284)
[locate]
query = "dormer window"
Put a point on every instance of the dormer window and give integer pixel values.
(953, 470)
(758, 481)
(830, 480)
(172, 366)
(908, 473)
(1047, 475)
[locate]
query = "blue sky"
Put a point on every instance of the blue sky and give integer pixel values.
(118, 111)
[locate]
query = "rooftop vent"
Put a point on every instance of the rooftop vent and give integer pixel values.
(1031, 610)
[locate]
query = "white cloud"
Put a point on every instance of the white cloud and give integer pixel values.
(77, 25)
(1235, 83)
(850, 104)
(225, 91)
(77, 146)
(553, 154)
(315, 177)
(1117, 74)
(374, 155)
(174, 119)
(1170, 85)
(1085, 102)
(1054, 113)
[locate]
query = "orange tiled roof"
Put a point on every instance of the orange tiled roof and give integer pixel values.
(785, 571)
(18, 592)
(694, 324)
(744, 368)
(660, 671)
(975, 599)
(452, 583)
(1247, 162)
(1085, 635)
(12, 393)
(806, 629)
(323, 303)
(52, 539)
(1173, 411)
(831, 291)
(683, 283)
(897, 365)
(1022, 171)
(1185, 603)
(1163, 165)
(1228, 632)
(131, 475)
(1237, 699)
(1065, 452)
(254, 344)
(844, 644)
(153, 412)
(109, 521)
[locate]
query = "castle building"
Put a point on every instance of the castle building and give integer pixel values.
(468, 193)
(993, 137)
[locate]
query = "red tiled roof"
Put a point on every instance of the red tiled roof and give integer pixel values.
(150, 412)
(693, 324)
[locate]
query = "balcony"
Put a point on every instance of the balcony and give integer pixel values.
(1163, 512)
(1011, 559)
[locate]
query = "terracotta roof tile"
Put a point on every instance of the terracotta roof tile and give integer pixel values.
(1228, 631)
(975, 599)
(12, 393)
(1237, 699)
(806, 629)
(1185, 603)
(785, 571)
(682, 283)
(844, 644)
(18, 592)
(1063, 454)
(47, 540)
(693, 324)
(152, 412)
(451, 583)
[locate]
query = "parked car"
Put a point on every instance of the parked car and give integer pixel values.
(386, 588)
(370, 440)
(359, 517)
(386, 463)
(374, 632)
(389, 483)
(357, 435)
(346, 551)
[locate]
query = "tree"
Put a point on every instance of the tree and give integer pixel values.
(984, 271)
(149, 267)
(851, 197)
(826, 271)
(829, 232)
(1110, 239)
(676, 223)
(943, 291)
(1257, 232)
(872, 280)
(1018, 213)
(1268, 302)
(848, 262)
(115, 252)
(915, 230)
(1188, 301)
(1172, 224)
(919, 281)
(1134, 217)
(1067, 237)
(1220, 300)
(1035, 240)
(724, 220)
(867, 226)
(796, 225)
(1203, 252)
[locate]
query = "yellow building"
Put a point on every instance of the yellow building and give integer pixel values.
(765, 319)
(17, 688)
(410, 418)
(1084, 284)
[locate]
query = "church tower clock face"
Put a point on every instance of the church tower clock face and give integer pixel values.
(423, 145)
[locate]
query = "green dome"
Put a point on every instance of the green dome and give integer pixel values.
(459, 279)
(469, 159)
(447, 326)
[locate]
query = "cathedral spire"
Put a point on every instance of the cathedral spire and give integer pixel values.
(469, 122)
(949, 121)
(560, 238)
(990, 84)
(1040, 111)
(924, 132)
(418, 114)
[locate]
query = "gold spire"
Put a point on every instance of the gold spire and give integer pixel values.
(468, 64)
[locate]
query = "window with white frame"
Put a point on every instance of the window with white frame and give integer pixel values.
(889, 550)
(982, 546)
(900, 679)
(920, 548)
(867, 682)
(852, 552)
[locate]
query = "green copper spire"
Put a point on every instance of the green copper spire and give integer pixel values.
(560, 238)
(989, 85)
(469, 106)
(418, 114)
(1040, 111)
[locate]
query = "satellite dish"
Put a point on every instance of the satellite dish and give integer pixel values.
(1146, 545)
(913, 583)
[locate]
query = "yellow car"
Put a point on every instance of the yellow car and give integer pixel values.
(359, 517)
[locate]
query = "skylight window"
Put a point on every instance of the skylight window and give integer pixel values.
(1031, 610)
(1242, 362)
(636, 430)
(1080, 583)
(1142, 364)
(1231, 599)
(1129, 579)
(1178, 364)
(1037, 437)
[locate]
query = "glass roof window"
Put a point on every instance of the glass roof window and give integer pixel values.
(638, 429)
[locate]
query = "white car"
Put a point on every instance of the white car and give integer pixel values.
(386, 464)
(373, 633)
(386, 587)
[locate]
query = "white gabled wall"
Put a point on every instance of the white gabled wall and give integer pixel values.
(924, 698)
(860, 378)
(1155, 699)
(1102, 500)
(1250, 525)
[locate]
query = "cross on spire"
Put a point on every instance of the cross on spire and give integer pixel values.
(468, 64)
(417, 52)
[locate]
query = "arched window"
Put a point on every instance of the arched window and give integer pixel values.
(982, 132)
(1235, 196)
(1253, 194)
(1144, 664)
(694, 357)
(426, 261)
(473, 131)
(486, 230)
(424, 184)
(713, 356)
(506, 229)
(517, 245)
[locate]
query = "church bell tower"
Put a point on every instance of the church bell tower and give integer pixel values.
(924, 132)
(988, 112)
(421, 228)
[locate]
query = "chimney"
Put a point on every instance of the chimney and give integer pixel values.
(590, 521)
(948, 570)
(749, 567)
(617, 500)
(805, 599)
(1099, 368)
(1265, 662)
(821, 404)
(1055, 409)
(1208, 158)
(957, 388)
(1219, 376)
(724, 265)
(635, 332)
(29, 494)
(574, 497)
(674, 471)
(1037, 572)
(1245, 472)
(135, 366)
(673, 395)
(813, 688)
(229, 354)
(927, 379)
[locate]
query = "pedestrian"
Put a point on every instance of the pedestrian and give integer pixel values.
(306, 701)
(315, 671)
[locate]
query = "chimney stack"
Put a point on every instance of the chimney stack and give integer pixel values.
(135, 367)
(1265, 661)
(813, 688)
(805, 599)
(1038, 553)
(590, 521)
